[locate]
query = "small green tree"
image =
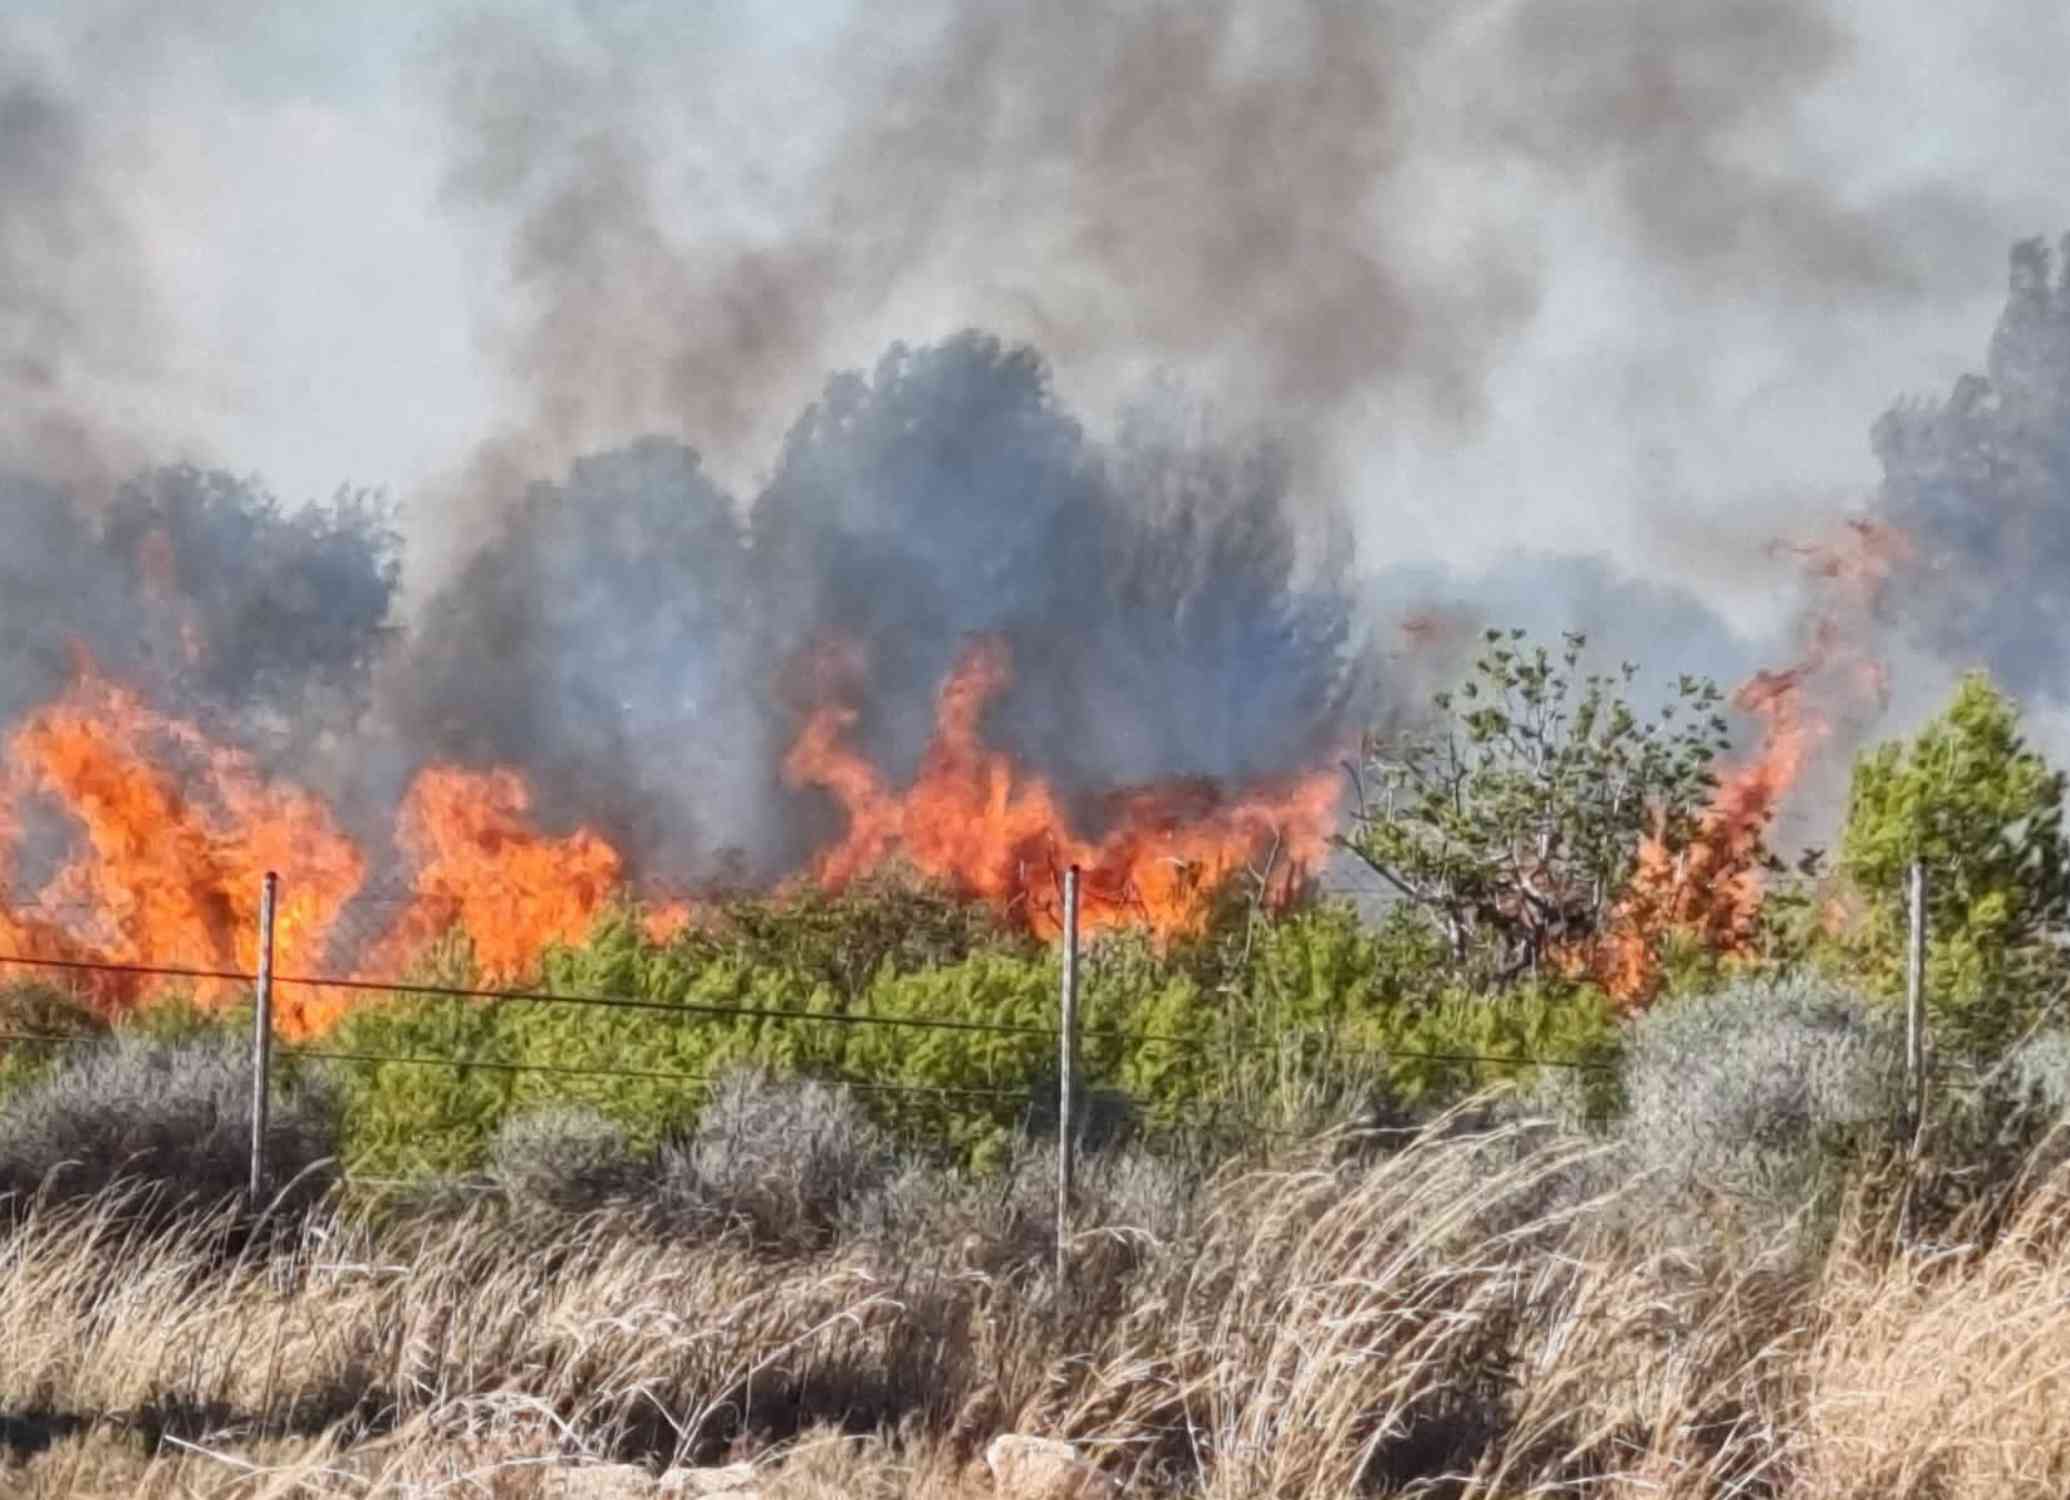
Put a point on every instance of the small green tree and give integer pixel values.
(1515, 823)
(1984, 813)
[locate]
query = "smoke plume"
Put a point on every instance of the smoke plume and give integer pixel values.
(1445, 278)
(645, 656)
(1981, 481)
(75, 311)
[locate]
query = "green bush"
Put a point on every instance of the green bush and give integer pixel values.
(1274, 1022)
(36, 1008)
(1982, 811)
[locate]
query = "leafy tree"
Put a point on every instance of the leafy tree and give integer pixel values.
(1967, 797)
(1514, 825)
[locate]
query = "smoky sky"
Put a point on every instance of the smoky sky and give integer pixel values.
(1497, 271)
(1980, 480)
(1549, 312)
(74, 309)
(1357, 223)
(646, 655)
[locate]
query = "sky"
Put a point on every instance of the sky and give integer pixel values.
(1628, 280)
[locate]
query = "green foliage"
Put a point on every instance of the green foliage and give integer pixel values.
(34, 1008)
(1317, 1012)
(1565, 1023)
(1261, 1021)
(842, 940)
(1983, 812)
(1515, 824)
(997, 988)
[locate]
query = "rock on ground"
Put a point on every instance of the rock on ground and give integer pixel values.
(730, 1482)
(621, 1481)
(1032, 1468)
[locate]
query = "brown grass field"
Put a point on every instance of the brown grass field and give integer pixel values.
(1447, 1317)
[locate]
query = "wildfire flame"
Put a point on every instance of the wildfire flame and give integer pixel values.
(176, 834)
(169, 866)
(171, 834)
(1711, 890)
(483, 869)
(974, 821)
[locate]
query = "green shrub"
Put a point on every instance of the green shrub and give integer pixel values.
(1278, 1023)
(836, 941)
(36, 1008)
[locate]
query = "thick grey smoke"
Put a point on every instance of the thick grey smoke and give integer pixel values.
(1343, 219)
(1362, 230)
(75, 309)
(612, 641)
(198, 588)
(1980, 483)
(647, 658)
(1667, 104)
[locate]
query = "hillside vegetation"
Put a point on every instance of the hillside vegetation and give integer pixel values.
(1419, 1200)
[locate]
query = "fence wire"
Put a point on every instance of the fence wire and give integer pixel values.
(758, 1013)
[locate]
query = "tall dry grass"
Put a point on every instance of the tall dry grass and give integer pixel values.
(1462, 1315)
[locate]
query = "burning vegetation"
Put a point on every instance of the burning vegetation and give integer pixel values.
(982, 826)
(1012, 661)
(601, 702)
(1706, 887)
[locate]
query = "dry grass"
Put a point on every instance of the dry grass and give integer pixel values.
(1449, 1318)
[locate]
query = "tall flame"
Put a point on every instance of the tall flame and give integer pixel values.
(169, 866)
(1710, 891)
(170, 835)
(979, 824)
(481, 868)
(175, 834)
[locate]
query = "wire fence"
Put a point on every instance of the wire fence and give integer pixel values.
(688, 1008)
(1022, 1100)
(1211, 1123)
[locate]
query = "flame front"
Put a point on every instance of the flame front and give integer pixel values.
(175, 833)
(484, 870)
(980, 825)
(169, 834)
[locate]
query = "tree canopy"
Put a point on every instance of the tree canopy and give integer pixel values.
(1983, 812)
(1515, 820)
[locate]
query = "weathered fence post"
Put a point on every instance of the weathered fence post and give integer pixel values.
(1915, 1004)
(1067, 1068)
(262, 1036)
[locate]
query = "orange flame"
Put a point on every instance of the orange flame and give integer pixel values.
(973, 822)
(176, 833)
(172, 833)
(170, 866)
(483, 870)
(1711, 891)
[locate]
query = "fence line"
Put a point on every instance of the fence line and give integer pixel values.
(597, 1002)
(765, 1013)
